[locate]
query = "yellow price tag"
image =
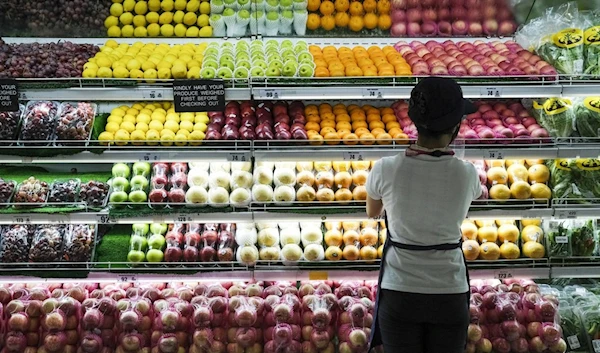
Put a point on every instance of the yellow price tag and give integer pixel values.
(317, 275)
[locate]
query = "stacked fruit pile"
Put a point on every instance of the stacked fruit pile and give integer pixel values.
(156, 18)
(356, 16)
(145, 61)
(358, 61)
(352, 124)
(491, 240)
(515, 179)
(152, 124)
(354, 240)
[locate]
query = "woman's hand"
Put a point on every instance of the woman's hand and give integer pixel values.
(374, 207)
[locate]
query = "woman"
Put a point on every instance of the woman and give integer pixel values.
(423, 296)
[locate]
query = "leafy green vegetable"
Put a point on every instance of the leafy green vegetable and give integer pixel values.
(573, 330)
(590, 314)
(575, 179)
(583, 239)
(564, 51)
(558, 240)
(587, 116)
(557, 117)
(591, 43)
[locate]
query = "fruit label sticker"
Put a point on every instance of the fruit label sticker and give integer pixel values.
(9, 96)
(192, 96)
(591, 36)
(568, 38)
(573, 342)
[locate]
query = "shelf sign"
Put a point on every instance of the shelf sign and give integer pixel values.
(566, 214)
(353, 156)
(318, 275)
(153, 94)
(573, 342)
(271, 94)
(103, 219)
(127, 278)
(493, 154)
(238, 157)
(149, 157)
(375, 93)
(491, 92)
(503, 274)
(198, 95)
(183, 218)
(21, 219)
(9, 96)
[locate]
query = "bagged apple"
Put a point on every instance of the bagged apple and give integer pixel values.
(22, 325)
(208, 243)
(245, 320)
(98, 324)
(171, 326)
(134, 324)
(60, 324)
(192, 240)
(226, 243)
(354, 323)
(208, 320)
(318, 322)
(177, 184)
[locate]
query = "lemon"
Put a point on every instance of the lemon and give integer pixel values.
(129, 118)
(117, 1)
(164, 65)
(127, 31)
(116, 10)
(180, 4)
(120, 72)
(167, 105)
(196, 135)
(193, 63)
(104, 72)
(180, 140)
(115, 119)
(166, 30)
(203, 20)
(155, 125)
(117, 64)
(178, 17)
(201, 119)
(180, 30)
(122, 135)
(118, 112)
(186, 117)
(167, 140)
(205, 8)
(140, 32)
(200, 127)
(133, 65)
(192, 32)
(138, 136)
(190, 19)
(205, 32)
(112, 127)
(128, 5)
(126, 18)
(150, 75)
(141, 127)
(186, 125)
(158, 116)
(111, 21)
(147, 65)
(139, 21)
(136, 74)
(127, 126)
(152, 17)
(167, 5)
(154, 5)
(106, 137)
(183, 132)
(170, 58)
(153, 30)
(89, 73)
(141, 7)
(172, 116)
(114, 32)
(171, 125)
(152, 135)
(143, 118)
(165, 18)
(192, 6)
(164, 73)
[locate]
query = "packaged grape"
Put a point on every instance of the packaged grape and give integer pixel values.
(79, 243)
(31, 191)
(47, 244)
(75, 121)
(9, 126)
(94, 193)
(38, 122)
(15, 244)
(7, 189)
(64, 191)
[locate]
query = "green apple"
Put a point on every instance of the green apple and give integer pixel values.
(139, 182)
(244, 63)
(118, 197)
(138, 196)
(259, 55)
(242, 56)
(242, 44)
(140, 228)
(303, 56)
(287, 52)
(154, 255)
(156, 241)
(261, 63)
(138, 242)
(208, 72)
(257, 71)
(136, 256)
(256, 43)
(272, 57)
(228, 64)
(228, 11)
(159, 228)
(273, 71)
(300, 48)
(226, 58)
(228, 45)
(210, 63)
(241, 73)
(305, 70)
(141, 168)
(224, 73)
(272, 42)
(214, 18)
(286, 43)
(286, 3)
(210, 58)
(244, 14)
(277, 63)
(120, 184)
(211, 51)
(121, 170)
(289, 69)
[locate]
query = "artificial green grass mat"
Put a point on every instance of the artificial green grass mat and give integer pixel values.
(21, 173)
(114, 246)
(141, 211)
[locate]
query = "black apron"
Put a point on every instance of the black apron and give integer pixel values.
(375, 339)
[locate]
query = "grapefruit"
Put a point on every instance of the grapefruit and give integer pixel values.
(483, 222)
(529, 222)
(538, 173)
(532, 233)
(508, 233)
(517, 172)
(487, 233)
(509, 250)
(533, 250)
(520, 190)
(333, 253)
(497, 175)
(489, 251)
(500, 192)
(540, 191)
(333, 237)
(532, 162)
(510, 162)
(368, 253)
(468, 230)
(350, 252)
(471, 249)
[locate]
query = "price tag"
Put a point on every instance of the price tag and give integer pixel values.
(503, 274)
(573, 342)
(566, 214)
(493, 154)
(596, 345)
(375, 93)
(318, 275)
(191, 96)
(183, 218)
(491, 92)
(271, 94)
(561, 239)
(149, 157)
(23, 96)
(153, 94)
(238, 157)
(9, 96)
(103, 219)
(127, 278)
(21, 219)
(353, 156)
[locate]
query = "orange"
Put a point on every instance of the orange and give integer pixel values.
(312, 126)
(489, 251)
(327, 130)
(343, 125)
(370, 72)
(377, 131)
(371, 117)
(314, 21)
(343, 132)
(359, 124)
(538, 173)
(353, 71)
(357, 115)
(361, 131)
(383, 7)
(392, 125)
(328, 21)
(342, 117)
(393, 131)
(333, 137)
(313, 5)
(342, 19)
(326, 8)
(350, 139)
(327, 123)
(370, 5)
(384, 138)
(316, 139)
(387, 118)
(385, 22)
(367, 139)
(471, 249)
(401, 138)
(342, 5)
(337, 73)
(356, 8)
(325, 107)
(313, 119)
(311, 108)
(327, 115)
(321, 72)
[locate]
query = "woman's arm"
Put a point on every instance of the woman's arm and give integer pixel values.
(374, 207)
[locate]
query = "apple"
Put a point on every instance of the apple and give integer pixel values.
(224, 73)
(273, 71)
(262, 193)
(156, 241)
(196, 195)
(136, 256)
(118, 197)
(138, 242)
(138, 196)
(140, 228)
(190, 254)
(139, 182)
(154, 255)
(121, 170)
(173, 254)
(141, 168)
(289, 69)
(241, 73)
(208, 254)
(158, 195)
(159, 228)
(305, 70)
(177, 195)
(120, 184)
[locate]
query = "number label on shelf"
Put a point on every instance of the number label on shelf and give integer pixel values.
(183, 218)
(127, 278)
(153, 94)
(103, 219)
(491, 92)
(238, 157)
(353, 156)
(503, 274)
(318, 275)
(376, 93)
(149, 157)
(493, 154)
(573, 342)
(21, 220)
(271, 94)
(566, 214)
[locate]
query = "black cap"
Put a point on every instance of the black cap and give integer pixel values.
(437, 104)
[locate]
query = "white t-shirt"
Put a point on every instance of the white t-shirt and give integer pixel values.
(426, 198)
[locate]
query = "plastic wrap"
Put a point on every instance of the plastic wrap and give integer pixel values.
(558, 238)
(64, 191)
(7, 189)
(591, 39)
(174, 241)
(75, 121)
(38, 121)
(79, 243)
(94, 193)
(9, 125)
(31, 191)
(47, 244)
(15, 244)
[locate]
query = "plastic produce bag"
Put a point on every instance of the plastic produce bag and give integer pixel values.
(558, 238)
(47, 244)
(15, 244)
(587, 114)
(557, 116)
(575, 179)
(79, 241)
(590, 315)
(573, 330)
(583, 237)
(591, 43)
